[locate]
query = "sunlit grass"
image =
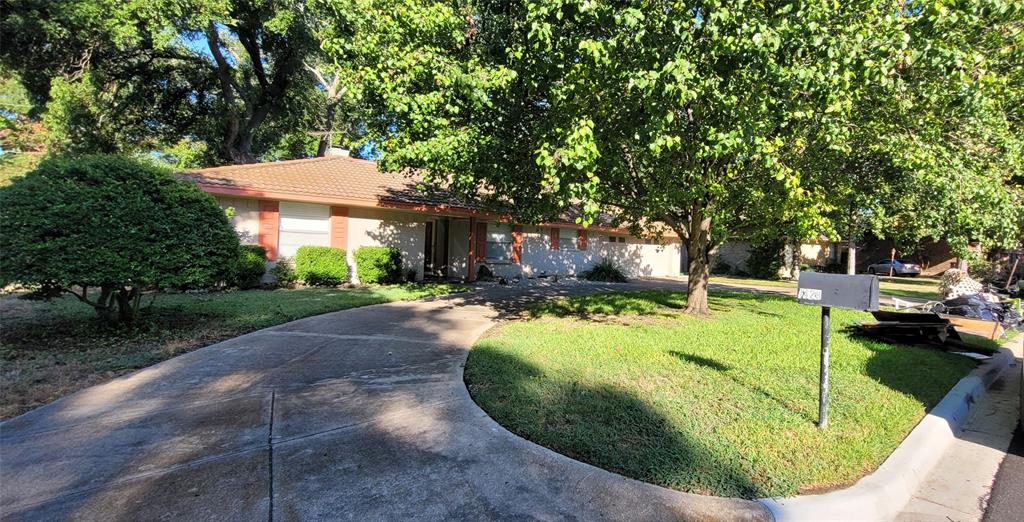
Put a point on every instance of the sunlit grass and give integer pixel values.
(917, 287)
(723, 406)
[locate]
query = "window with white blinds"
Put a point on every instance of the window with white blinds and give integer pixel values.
(303, 224)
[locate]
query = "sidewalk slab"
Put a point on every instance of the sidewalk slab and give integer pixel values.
(958, 487)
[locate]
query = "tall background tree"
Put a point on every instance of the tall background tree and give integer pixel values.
(205, 81)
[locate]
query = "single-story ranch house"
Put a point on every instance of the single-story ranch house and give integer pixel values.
(344, 202)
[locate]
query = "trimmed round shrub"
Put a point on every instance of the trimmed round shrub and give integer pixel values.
(252, 264)
(106, 227)
(321, 266)
(604, 270)
(378, 265)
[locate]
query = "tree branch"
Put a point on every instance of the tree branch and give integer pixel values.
(252, 48)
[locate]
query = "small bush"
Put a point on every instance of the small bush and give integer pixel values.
(721, 268)
(605, 270)
(321, 266)
(834, 267)
(379, 265)
(981, 269)
(252, 264)
(766, 258)
(283, 272)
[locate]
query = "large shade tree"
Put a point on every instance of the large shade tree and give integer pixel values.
(935, 143)
(227, 78)
(706, 117)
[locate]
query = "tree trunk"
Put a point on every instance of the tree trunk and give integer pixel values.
(241, 149)
(126, 304)
(105, 305)
(328, 137)
(698, 249)
(851, 257)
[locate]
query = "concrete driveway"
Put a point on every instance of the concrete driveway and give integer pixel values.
(360, 414)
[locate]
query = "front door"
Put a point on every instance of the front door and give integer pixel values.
(428, 250)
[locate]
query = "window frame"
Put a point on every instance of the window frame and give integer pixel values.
(489, 240)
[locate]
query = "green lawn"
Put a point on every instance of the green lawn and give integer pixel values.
(51, 349)
(722, 406)
(918, 287)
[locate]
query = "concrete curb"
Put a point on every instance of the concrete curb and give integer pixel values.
(883, 494)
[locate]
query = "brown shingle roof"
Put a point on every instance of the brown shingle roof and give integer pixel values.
(334, 177)
(340, 179)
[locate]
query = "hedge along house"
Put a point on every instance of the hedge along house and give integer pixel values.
(347, 203)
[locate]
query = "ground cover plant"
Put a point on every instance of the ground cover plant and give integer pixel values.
(48, 350)
(723, 405)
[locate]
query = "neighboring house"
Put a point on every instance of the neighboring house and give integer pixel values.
(935, 257)
(347, 203)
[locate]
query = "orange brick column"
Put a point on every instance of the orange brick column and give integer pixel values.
(517, 244)
(269, 225)
(339, 227)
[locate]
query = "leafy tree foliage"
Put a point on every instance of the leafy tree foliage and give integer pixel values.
(708, 117)
(22, 138)
(936, 142)
(113, 224)
(140, 76)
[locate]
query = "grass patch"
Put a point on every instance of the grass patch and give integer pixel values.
(50, 349)
(752, 281)
(917, 287)
(723, 406)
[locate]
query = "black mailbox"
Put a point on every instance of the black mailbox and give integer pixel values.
(859, 292)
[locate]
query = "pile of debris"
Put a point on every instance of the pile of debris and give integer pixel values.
(964, 311)
(956, 283)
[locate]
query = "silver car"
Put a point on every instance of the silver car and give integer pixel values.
(899, 267)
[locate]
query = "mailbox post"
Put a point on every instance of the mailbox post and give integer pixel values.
(857, 292)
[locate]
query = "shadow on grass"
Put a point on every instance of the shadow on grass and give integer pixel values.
(701, 361)
(724, 370)
(601, 425)
(644, 302)
(902, 368)
(917, 294)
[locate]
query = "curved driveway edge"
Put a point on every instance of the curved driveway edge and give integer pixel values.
(360, 414)
(883, 494)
